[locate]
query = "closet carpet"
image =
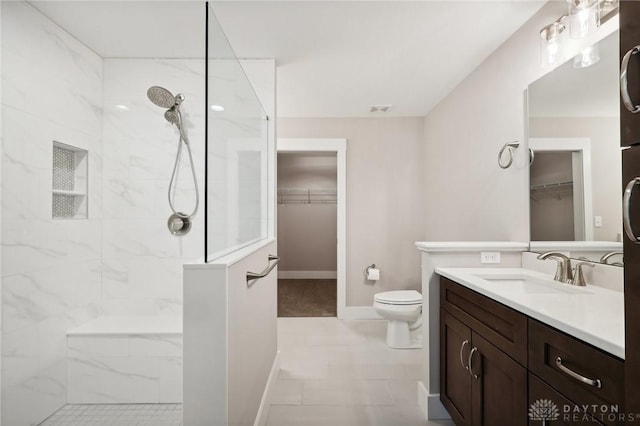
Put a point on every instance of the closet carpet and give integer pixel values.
(307, 298)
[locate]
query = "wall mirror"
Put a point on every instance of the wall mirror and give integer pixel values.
(574, 181)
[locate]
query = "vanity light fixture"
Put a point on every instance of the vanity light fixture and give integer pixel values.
(551, 42)
(587, 57)
(584, 17)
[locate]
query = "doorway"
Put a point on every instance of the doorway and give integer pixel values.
(307, 232)
(560, 189)
(311, 227)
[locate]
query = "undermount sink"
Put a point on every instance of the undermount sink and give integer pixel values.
(531, 285)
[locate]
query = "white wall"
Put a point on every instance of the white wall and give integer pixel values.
(230, 338)
(385, 209)
(472, 198)
(51, 90)
(142, 261)
(307, 232)
(606, 164)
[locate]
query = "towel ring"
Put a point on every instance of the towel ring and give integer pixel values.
(510, 147)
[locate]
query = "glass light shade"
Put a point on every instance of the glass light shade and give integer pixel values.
(552, 44)
(587, 57)
(584, 17)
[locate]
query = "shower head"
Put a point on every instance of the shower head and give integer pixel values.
(172, 115)
(162, 97)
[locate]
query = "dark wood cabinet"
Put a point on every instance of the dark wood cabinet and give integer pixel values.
(455, 380)
(630, 171)
(504, 327)
(499, 386)
(586, 375)
(629, 12)
(495, 362)
(480, 384)
(629, 38)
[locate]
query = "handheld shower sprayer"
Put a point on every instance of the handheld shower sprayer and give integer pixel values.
(179, 223)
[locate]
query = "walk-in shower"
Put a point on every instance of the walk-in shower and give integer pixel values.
(179, 223)
(92, 306)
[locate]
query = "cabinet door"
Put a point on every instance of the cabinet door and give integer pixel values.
(631, 170)
(499, 387)
(455, 380)
(629, 38)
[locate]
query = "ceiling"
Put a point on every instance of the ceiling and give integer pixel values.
(334, 58)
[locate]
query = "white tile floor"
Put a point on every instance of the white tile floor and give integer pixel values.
(342, 373)
(117, 415)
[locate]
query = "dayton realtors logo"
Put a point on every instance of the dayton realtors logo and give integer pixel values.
(544, 409)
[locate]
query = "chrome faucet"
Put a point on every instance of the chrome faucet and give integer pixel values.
(563, 271)
(605, 259)
(578, 275)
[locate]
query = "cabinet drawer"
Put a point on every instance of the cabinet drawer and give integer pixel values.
(540, 391)
(547, 344)
(500, 325)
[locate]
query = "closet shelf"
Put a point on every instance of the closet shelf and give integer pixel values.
(555, 185)
(307, 196)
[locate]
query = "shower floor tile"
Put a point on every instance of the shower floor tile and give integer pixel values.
(116, 415)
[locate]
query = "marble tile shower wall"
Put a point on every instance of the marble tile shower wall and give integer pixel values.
(51, 269)
(142, 261)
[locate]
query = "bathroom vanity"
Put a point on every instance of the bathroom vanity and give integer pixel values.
(510, 338)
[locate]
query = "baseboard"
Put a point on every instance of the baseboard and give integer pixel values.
(307, 275)
(430, 405)
(263, 410)
(360, 313)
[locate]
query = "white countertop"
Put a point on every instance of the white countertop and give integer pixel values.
(592, 314)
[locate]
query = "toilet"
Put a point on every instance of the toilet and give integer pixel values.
(403, 311)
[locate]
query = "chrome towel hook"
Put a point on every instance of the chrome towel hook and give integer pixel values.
(510, 147)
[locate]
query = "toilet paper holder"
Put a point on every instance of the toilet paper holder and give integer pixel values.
(372, 266)
(368, 269)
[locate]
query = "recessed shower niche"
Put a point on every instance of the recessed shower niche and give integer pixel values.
(69, 198)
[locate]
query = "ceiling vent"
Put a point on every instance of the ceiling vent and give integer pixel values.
(381, 108)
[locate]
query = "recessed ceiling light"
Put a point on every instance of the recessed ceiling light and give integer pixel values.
(381, 108)
(217, 108)
(122, 107)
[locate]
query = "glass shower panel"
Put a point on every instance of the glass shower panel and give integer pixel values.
(237, 143)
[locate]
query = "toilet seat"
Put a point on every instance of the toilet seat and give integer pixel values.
(399, 297)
